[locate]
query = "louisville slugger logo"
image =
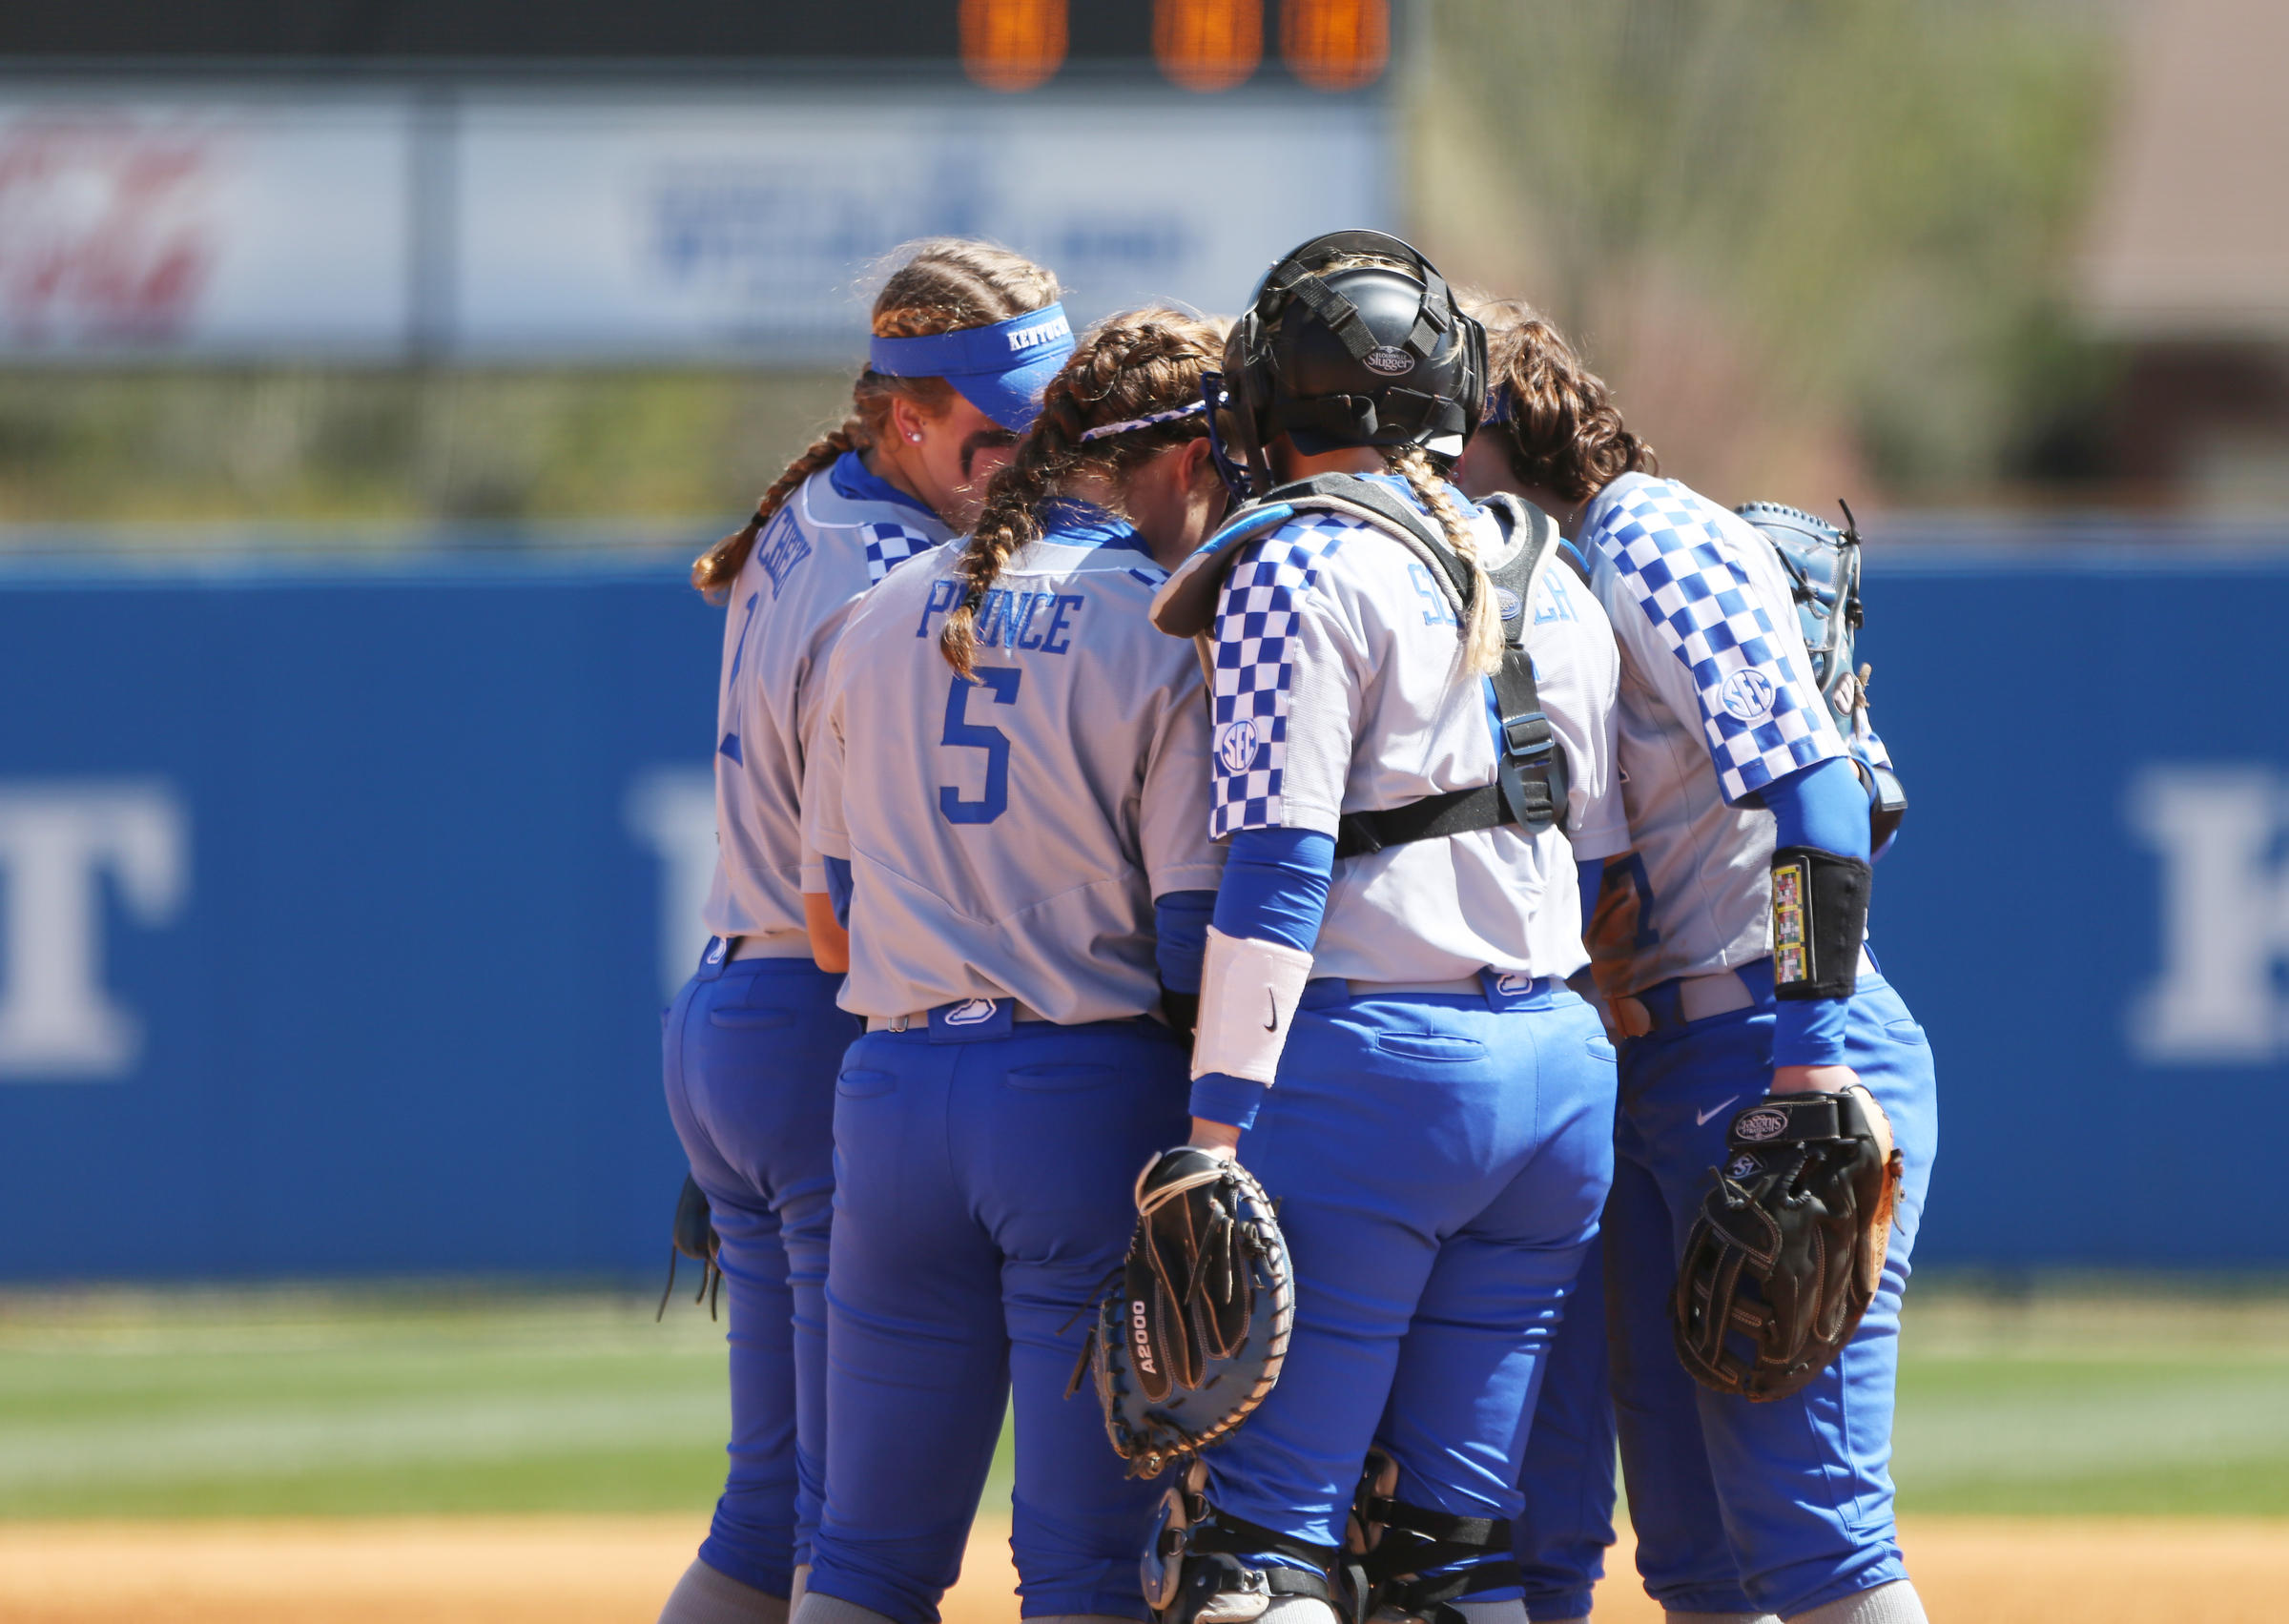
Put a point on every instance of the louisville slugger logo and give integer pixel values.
(1760, 1125)
(1140, 1336)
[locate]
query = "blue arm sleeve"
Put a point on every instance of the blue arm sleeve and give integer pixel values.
(1180, 926)
(838, 889)
(1822, 805)
(1275, 888)
(1592, 875)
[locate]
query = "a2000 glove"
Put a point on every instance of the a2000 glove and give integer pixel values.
(1788, 1249)
(1194, 1339)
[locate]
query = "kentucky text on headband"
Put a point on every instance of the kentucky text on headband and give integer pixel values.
(1104, 430)
(1000, 369)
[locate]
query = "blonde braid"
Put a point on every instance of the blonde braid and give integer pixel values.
(1482, 634)
(715, 571)
(1009, 521)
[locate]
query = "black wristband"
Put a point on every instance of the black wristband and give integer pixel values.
(1819, 920)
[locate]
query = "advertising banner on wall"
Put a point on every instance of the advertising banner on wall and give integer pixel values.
(702, 227)
(203, 227)
(747, 227)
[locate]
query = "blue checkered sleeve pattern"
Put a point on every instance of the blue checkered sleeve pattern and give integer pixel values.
(1257, 617)
(1760, 719)
(889, 546)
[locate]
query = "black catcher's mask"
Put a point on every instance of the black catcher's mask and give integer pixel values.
(1367, 356)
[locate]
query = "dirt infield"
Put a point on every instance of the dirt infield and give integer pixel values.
(617, 1570)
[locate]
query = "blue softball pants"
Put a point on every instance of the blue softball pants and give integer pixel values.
(1738, 1506)
(1439, 1165)
(751, 1052)
(985, 1196)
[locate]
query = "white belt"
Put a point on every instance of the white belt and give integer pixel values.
(1466, 986)
(920, 1018)
(783, 944)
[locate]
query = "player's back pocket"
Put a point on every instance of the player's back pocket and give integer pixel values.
(737, 1020)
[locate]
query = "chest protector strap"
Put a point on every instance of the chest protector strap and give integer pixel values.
(1530, 770)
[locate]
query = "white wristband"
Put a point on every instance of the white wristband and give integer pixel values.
(1249, 991)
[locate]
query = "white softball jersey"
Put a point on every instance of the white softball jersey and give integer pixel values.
(1007, 835)
(1716, 702)
(1339, 689)
(822, 549)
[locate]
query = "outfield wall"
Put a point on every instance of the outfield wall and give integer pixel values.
(337, 906)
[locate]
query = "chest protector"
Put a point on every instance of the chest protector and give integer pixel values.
(1823, 567)
(1531, 774)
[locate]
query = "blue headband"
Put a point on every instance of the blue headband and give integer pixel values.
(1001, 369)
(1498, 407)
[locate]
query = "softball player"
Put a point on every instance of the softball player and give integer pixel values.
(1009, 782)
(965, 335)
(1743, 1512)
(1436, 1124)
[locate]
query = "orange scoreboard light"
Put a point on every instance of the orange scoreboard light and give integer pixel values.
(1012, 45)
(1335, 44)
(1207, 45)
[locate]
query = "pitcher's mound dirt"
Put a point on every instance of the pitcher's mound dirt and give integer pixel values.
(618, 1570)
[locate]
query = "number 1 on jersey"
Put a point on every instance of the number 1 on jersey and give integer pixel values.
(961, 731)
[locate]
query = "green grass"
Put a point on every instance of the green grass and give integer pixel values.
(303, 1403)
(2094, 1401)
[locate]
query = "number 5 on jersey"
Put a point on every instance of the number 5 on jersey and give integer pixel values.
(961, 731)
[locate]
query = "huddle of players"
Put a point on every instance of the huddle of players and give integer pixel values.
(971, 793)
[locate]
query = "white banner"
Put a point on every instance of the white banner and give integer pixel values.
(202, 226)
(701, 227)
(747, 227)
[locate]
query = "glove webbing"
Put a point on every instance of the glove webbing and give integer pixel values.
(1431, 1539)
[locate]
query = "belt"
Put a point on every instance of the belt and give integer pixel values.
(919, 1020)
(1683, 999)
(1462, 986)
(783, 944)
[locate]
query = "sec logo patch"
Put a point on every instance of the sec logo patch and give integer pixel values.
(1236, 744)
(1747, 696)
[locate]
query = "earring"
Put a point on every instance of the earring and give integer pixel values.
(916, 438)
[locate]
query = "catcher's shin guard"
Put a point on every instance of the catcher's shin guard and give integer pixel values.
(1203, 1566)
(1389, 1546)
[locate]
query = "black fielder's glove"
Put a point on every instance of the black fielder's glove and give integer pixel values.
(1194, 1338)
(1788, 1249)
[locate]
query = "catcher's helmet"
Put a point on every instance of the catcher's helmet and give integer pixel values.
(1369, 355)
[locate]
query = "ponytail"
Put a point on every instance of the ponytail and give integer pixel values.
(1563, 431)
(716, 568)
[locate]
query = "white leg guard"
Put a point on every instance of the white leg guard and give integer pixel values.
(1078, 1618)
(705, 1597)
(1298, 1609)
(1894, 1603)
(802, 1583)
(1719, 1618)
(1510, 1612)
(820, 1608)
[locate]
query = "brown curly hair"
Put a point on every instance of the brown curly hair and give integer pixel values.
(1564, 432)
(1128, 366)
(939, 284)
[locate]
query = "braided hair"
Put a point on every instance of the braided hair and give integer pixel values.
(1126, 368)
(939, 284)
